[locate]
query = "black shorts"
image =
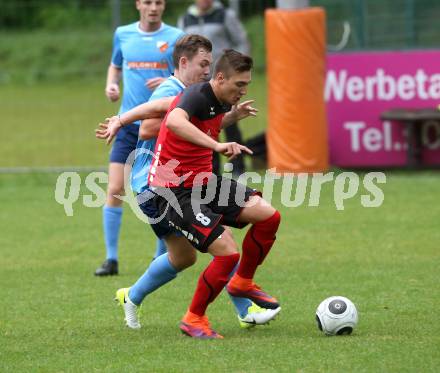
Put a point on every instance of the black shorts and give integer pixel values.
(199, 212)
(160, 226)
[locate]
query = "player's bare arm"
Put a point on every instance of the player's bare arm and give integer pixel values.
(112, 86)
(151, 109)
(239, 112)
(108, 129)
(149, 128)
(178, 122)
(153, 83)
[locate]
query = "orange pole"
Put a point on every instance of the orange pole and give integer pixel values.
(297, 128)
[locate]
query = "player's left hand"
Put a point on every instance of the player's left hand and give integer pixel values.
(153, 83)
(108, 129)
(244, 110)
(232, 149)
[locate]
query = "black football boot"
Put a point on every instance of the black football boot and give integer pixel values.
(108, 268)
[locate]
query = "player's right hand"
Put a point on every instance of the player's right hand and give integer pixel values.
(112, 92)
(108, 129)
(231, 149)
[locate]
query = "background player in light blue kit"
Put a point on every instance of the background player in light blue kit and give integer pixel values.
(142, 55)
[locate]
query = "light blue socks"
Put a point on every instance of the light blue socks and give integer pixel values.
(160, 272)
(112, 223)
(157, 274)
(241, 304)
(161, 248)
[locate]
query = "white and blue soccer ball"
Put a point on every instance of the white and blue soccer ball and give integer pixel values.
(336, 316)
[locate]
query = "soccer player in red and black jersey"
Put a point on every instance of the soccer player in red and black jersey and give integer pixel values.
(197, 203)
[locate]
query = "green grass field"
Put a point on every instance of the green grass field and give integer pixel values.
(56, 316)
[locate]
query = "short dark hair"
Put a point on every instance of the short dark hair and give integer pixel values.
(188, 46)
(231, 60)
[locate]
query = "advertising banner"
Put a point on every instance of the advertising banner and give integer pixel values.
(360, 86)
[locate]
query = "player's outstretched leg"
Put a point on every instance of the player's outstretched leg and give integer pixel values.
(256, 245)
(161, 270)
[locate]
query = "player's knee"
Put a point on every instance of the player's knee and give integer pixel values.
(181, 254)
(115, 189)
(224, 245)
(227, 241)
(189, 259)
(269, 213)
(112, 200)
(182, 262)
(231, 246)
(270, 222)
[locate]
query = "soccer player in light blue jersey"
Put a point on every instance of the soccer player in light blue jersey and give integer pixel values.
(142, 56)
(192, 58)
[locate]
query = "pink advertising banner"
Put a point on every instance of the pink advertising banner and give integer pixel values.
(360, 86)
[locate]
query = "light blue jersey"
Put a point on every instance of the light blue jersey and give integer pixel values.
(145, 149)
(142, 56)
